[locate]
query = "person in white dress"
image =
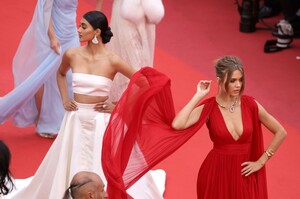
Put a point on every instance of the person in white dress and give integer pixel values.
(78, 145)
(134, 23)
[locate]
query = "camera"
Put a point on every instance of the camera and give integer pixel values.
(248, 11)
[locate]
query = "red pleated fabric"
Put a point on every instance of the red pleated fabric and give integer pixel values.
(257, 149)
(139, 134)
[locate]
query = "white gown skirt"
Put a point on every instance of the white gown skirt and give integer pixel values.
(77, 148)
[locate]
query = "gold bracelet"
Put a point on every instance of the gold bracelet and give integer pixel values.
(269, 153)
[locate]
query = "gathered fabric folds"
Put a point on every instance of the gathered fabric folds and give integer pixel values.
(139, 134)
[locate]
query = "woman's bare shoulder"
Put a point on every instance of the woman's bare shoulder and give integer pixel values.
(113, 57)
(72, 51)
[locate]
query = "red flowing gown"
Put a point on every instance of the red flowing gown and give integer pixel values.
(140, 135)
(220, 174)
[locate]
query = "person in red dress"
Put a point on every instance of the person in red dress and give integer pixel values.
(233, 169)
(227, 171)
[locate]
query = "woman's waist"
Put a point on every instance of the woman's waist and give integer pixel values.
(87, 99)
(232, 149)
(65, 27)
(87, 106)
(66, 32)
(86, 113)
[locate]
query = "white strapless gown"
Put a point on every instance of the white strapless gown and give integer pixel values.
(77, 148)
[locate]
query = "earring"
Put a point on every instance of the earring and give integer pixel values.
(95, 40)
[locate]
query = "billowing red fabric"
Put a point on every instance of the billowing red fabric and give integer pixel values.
(139, 134)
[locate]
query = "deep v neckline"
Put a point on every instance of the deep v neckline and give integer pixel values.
(224, 122)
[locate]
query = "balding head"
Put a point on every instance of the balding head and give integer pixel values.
(87, 185)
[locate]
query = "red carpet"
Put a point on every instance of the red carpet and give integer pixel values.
(189, 38)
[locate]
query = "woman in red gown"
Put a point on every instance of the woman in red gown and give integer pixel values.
(233, 169)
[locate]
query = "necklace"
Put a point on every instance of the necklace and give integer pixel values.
(230, 107)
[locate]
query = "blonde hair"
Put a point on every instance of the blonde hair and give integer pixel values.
(225, 66)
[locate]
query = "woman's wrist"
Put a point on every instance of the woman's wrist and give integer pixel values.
(266, 156)
(51, 35)
(199, 96)
(269, 153)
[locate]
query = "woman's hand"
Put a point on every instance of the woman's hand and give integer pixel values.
(105, 107)
(70, 105)
(251, 167)
(203, 87)
(55, 45)
(54, 42)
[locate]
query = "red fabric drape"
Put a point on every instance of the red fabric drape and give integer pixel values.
(257, 149)
(139, 134)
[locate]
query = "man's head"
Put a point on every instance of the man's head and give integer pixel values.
(87, 185)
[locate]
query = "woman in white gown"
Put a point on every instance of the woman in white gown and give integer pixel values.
(134, 23)
(78, 145)
(51, 31)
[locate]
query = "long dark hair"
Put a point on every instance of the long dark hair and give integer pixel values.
(98, 20)
(6, 182)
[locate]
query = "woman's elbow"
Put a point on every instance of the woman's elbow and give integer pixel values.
(283, 133)
(177, 126)
(60, 74)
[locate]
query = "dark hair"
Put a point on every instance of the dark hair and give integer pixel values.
(98, 20)
(5, 177)
(225, 66)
